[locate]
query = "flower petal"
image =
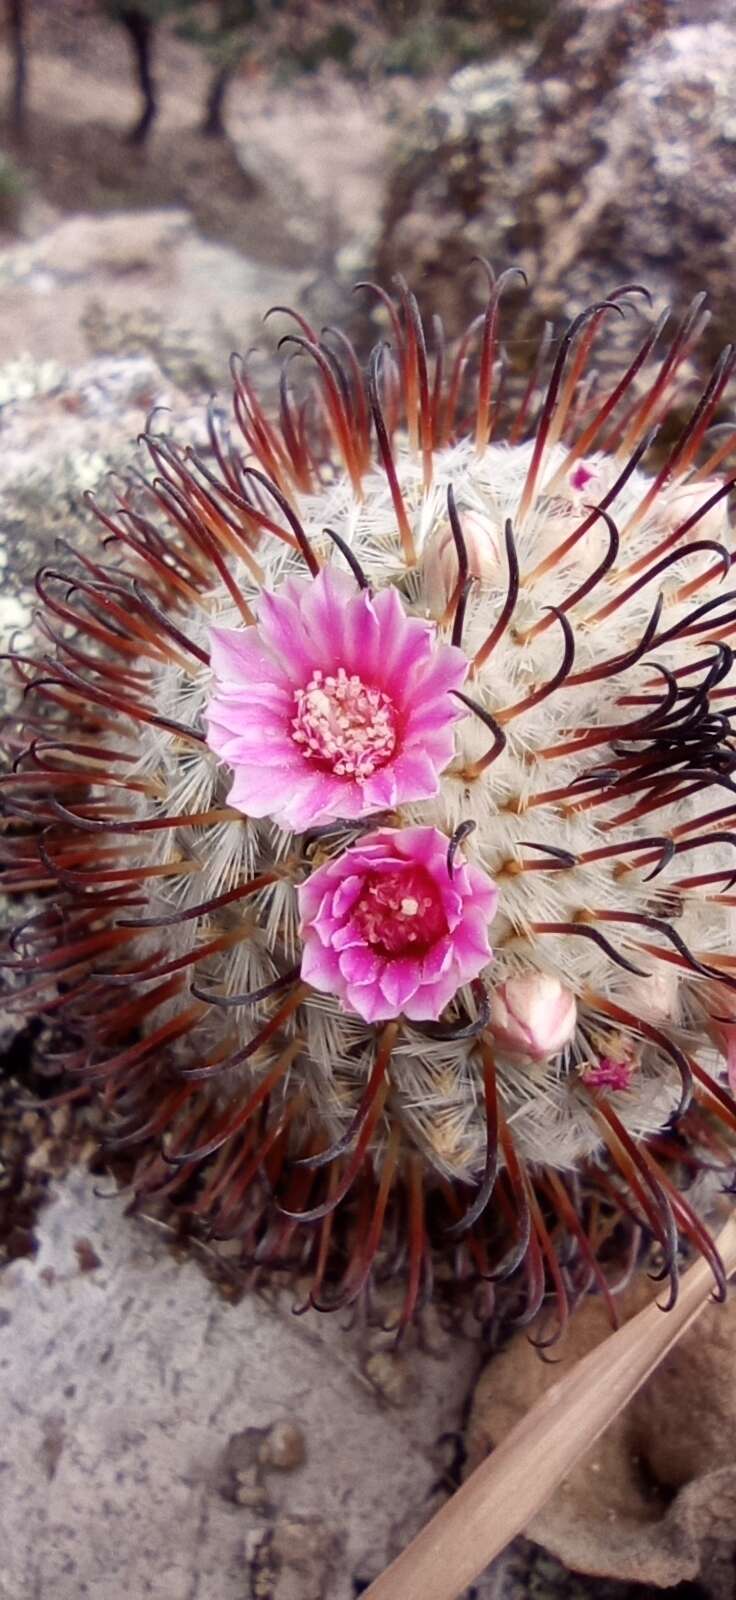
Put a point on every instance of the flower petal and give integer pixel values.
(320, 967)
(347, 894)
(314, 796)
(323, 611)
(325, 624)
(281, 625)
(240, 656)
(369, 1002)
(255, 790)
(368, 981)
(430, 999)
(359, 965)
(414, 776)
(399, 980)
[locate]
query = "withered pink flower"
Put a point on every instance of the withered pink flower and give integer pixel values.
(609, 1073)
(336, 705)
(391, 926)
(533, 1015)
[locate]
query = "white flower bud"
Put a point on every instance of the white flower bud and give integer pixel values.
(680, 501)
(440, 570)
(583, 487)
(720, 1004)
(533, 1015)
(654, 997)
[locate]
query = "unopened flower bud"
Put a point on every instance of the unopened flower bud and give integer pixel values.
(440, 564)
(654, 997)
(680, 501)
(720, 1004)
(573, 496)
(533, 1015)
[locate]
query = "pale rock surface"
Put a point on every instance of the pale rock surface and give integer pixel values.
(601, 150)
(64, 291)
(127, 1385)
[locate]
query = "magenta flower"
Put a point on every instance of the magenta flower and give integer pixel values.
(336, 705)
(609, 1073)
(387, 927)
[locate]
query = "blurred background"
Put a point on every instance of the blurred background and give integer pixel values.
(171, 168)
(168, 171)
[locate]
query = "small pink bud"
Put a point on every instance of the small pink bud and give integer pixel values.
(654, 997)
(584, 485)
(720, 1004)
(533, 1015)
(440, 563)
(682, 500)
(608, 1073)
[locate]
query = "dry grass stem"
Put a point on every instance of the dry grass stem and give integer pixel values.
(499, 1499)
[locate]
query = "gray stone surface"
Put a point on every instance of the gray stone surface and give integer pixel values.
(128, 1384)
(157, 1439)
(119, 282)
(600, 151)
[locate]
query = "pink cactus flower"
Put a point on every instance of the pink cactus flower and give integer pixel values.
(390, 926)
(533, 1015)
(608, 1073)
(336, 705)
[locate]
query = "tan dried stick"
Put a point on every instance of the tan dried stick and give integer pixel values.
(500, 1498)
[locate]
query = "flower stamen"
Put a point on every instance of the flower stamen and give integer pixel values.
(400, 911)
(344, 724)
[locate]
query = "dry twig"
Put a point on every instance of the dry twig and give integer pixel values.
(499, 1499)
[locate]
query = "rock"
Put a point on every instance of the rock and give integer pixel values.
(601, 151)
(390, 1376)
(62, 430)
(135, 1393)
(283, 1448)
(249, 1455)
(134, 282)
(302, 1553)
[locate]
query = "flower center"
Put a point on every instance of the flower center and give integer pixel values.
(400, 913)
(345, 725)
